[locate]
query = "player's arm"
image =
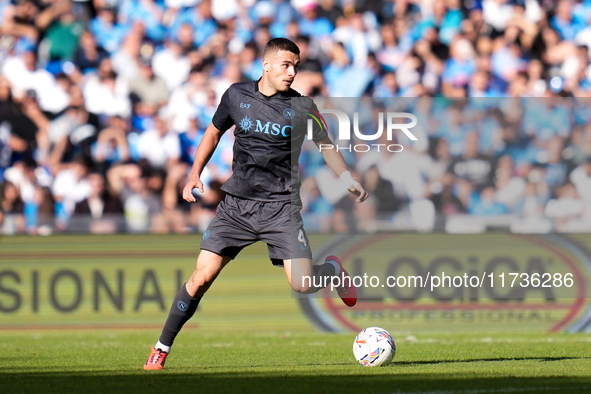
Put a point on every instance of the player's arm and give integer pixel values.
(207, 146)
(335, 161)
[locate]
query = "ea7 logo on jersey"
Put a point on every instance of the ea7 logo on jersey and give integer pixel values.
(243, 105)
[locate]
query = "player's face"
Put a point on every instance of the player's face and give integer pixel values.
(282, 68)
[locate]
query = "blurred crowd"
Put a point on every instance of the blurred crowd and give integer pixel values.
(103, 104)
(522, 164)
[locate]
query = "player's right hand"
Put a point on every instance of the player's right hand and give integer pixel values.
(192, 183)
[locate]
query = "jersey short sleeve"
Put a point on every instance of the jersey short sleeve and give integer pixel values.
(222, 119)
(319, 131)
(308, 114)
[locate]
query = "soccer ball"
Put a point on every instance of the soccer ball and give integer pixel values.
(374, 347)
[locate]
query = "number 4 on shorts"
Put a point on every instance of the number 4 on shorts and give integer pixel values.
(302, 238)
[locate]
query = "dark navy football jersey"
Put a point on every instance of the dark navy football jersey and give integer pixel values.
(265, 141)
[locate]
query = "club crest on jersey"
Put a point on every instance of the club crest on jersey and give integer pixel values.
(288, 113)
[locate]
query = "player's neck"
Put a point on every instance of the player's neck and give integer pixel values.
(265, 88)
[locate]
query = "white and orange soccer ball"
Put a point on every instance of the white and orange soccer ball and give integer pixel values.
(374, 347)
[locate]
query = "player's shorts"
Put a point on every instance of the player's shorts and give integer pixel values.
(240, 222)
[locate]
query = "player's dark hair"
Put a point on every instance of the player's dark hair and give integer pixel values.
(280, 44)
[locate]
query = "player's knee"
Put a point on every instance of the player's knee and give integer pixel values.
(199, 279)
(302, 287)
(197, 282)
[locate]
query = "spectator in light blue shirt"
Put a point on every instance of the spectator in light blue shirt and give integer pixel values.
(451, 127)
(386, 86)
(480, 87)
(459, 68)
(200, 18)
(148, 12)
(276, 14)
(343, 79)
(544, 120)
(109, 34)
(507, 61)
(486, 204)
(448, 20)
(567, 24)
(250, 62)
(312, 25)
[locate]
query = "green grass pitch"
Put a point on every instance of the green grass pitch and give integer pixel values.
(110, 361)
(248, 336)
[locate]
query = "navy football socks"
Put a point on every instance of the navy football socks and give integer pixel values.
(182, 309)
(323, 271)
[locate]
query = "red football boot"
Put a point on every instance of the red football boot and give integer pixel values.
(156, 360)
(347, 290)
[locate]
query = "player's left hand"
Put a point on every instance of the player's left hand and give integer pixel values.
(192, 183)
(359, 191)
(354, 187)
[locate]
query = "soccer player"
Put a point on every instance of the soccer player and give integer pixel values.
(261, 204)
